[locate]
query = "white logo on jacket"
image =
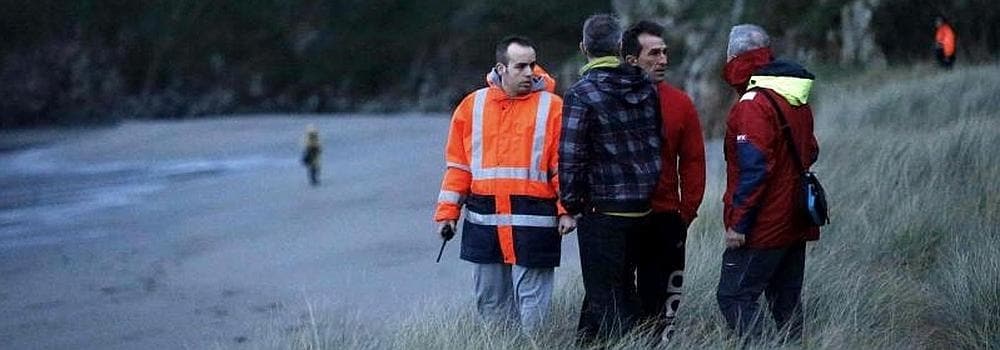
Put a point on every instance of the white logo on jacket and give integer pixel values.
(742, 138)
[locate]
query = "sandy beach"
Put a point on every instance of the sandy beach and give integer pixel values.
(200, 234)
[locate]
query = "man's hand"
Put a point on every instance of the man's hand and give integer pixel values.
(566, 224)
(442, 224)
(735, 239)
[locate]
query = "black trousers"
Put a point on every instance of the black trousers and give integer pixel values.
(608, 247)
(944, 61)
(660, 270)
(746, 273)
(314, 175)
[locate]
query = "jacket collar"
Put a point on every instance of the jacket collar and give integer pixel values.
(600, 62)
(737, 72)
(788, 79)
(493, 81)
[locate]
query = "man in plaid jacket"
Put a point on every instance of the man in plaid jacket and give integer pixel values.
(609, 164)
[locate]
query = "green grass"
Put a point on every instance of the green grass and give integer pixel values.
(911, 260)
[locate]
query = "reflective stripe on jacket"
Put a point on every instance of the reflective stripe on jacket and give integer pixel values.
(501, 159)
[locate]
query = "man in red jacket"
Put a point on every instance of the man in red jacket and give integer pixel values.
(679, 190)
(765, 233)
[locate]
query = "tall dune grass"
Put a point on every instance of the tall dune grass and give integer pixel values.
(912, 259)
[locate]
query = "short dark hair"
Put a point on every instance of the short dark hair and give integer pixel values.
(630, 38)
(602, 35)
(503, 44)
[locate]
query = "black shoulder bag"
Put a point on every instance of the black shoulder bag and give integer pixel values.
(816, 211)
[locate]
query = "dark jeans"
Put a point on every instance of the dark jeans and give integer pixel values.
(608, 245)
(944, 61)
(747, 272)
(314, 175)
(660, 270)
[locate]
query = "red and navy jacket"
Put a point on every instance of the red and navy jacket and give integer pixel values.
(763, 181)
(682, 178)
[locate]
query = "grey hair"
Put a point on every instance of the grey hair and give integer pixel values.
(746, 37)
(602, 35)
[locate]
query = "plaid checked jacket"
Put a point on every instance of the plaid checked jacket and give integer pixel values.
(609, 153)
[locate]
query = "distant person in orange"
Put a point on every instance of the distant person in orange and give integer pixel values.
(310, 156)
(944, 42)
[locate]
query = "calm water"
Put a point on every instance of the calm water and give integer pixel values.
(41, 194)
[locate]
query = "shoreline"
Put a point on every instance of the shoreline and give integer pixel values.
(211, 259)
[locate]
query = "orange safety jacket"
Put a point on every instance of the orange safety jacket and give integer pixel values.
(501, 162)
(945, 37)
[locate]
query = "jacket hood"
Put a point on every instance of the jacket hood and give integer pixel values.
(493, 80)
(737, 71)
(788, 79)
(627, 82)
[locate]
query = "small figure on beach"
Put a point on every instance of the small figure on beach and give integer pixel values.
(310, 156)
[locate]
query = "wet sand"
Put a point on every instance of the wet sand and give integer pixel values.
(224, 237)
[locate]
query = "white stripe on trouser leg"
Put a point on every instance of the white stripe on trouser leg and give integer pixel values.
(494, 292)
(532, 296)
(675, 286)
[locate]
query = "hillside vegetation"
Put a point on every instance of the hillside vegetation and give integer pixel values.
(91, 61)
(99, 61)
(847, 35)
(909, 159)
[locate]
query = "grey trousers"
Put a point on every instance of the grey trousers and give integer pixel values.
(514, 293)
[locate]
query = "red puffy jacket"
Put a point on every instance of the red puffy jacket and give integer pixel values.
(763, 182)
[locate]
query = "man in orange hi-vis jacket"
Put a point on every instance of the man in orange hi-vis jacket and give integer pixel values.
(501, 159)
(944, 42)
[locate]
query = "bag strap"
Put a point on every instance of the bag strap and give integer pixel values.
(787, 130)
